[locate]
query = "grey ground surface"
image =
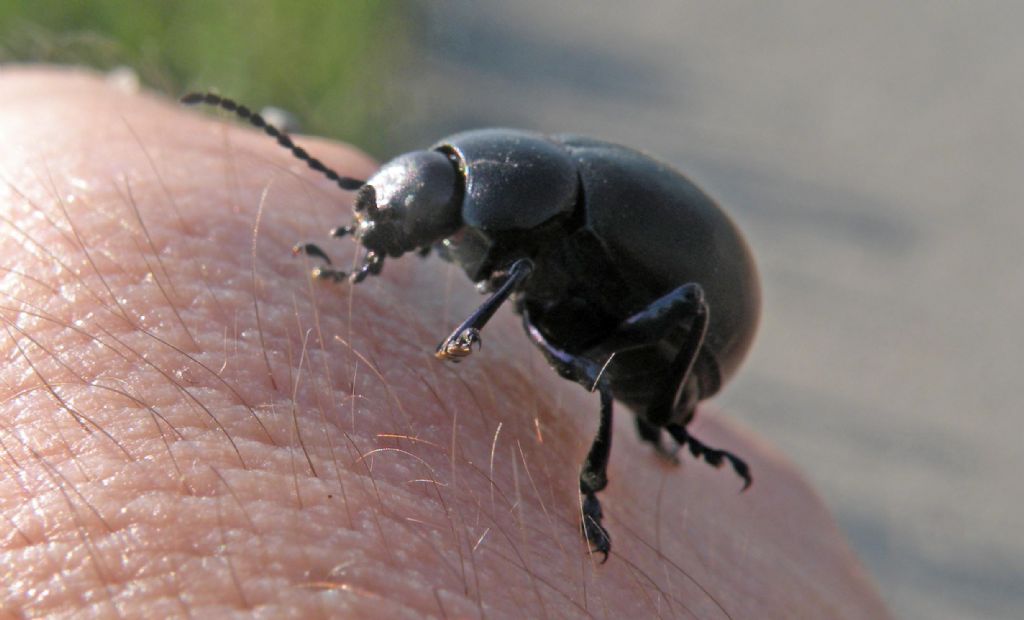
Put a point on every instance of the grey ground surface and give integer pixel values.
(873, 151)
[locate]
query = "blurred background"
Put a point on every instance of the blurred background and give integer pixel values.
(872, 152)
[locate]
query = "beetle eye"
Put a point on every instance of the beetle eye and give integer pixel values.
(366, 200)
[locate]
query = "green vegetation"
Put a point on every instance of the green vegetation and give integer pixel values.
(316, 59)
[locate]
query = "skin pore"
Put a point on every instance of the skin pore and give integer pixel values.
(190, 426)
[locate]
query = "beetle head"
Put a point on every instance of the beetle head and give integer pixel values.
(412, 202)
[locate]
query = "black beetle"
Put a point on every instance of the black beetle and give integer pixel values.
(614, 260)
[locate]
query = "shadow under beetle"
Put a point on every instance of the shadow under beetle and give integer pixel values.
(629, 279)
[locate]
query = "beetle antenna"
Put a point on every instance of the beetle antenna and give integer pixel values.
(345, 183)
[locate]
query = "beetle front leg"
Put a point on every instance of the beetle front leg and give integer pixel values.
(325, 271)
(594, 473)
(461, 341)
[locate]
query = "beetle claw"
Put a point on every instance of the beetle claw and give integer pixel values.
(324, 272)
(715, 458)
(741, 469)
(311, 249)
(459, 345)
(598, 537)
(329, 273)
(711, 456)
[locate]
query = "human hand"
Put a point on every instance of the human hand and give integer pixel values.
(189, 425)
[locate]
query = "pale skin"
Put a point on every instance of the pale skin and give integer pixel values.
(190, 426)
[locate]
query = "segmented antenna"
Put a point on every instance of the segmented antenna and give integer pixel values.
(345, 183)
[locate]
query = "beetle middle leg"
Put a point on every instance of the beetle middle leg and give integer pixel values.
(326, 271)
(594, 478)
(594, 473)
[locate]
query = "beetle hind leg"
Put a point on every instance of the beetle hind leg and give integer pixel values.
(675, 397)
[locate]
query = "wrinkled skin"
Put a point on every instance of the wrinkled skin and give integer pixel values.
(179, 434)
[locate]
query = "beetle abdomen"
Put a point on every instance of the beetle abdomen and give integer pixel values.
(664, 231)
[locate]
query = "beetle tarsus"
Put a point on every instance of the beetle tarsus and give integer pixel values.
(741, 468)
(329, 273)
(459, 345)
(324, 272)
(598, 537)
(711, 456)
(311, 249)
